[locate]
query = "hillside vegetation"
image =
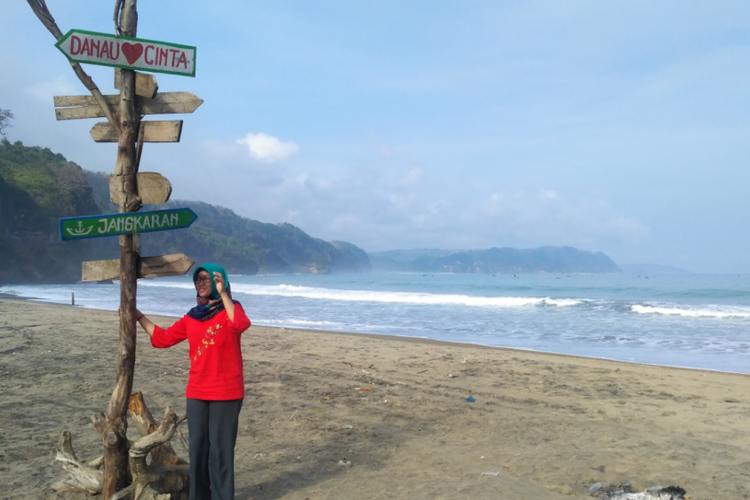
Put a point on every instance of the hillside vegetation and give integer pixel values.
(38, 187)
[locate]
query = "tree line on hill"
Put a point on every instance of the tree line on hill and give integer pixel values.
(38, 187)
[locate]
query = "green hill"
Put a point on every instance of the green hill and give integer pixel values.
(38, 187)
(495, 260)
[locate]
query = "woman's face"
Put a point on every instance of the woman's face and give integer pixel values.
(203, 284)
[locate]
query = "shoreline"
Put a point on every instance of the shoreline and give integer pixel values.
(409, 339)
(548, 425)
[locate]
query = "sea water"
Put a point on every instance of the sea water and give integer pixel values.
(688, 320)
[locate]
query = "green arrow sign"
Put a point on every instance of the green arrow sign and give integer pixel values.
(129, 53)
(77, 228)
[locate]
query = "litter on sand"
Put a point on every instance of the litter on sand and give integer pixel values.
(624, 491)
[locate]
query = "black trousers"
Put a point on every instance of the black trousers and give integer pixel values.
(213, 433)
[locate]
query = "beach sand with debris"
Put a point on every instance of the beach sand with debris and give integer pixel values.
(338, 416)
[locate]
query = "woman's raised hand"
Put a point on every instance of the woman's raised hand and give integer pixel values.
(219, 280)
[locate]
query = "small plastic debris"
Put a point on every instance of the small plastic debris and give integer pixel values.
(299, 457)
(450, 375)
(491, 473)
(470, 399)
(345, 463)
(348, 427)
(363, 389)
(594, 487)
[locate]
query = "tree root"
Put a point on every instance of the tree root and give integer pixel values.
(164, 476)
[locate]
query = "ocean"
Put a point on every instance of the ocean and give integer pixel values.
(686, 320)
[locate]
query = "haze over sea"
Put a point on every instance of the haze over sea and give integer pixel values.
(690, 320)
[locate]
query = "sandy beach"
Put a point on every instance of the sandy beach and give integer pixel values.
(548, 425)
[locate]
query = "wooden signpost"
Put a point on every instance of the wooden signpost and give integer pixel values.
(95, 226)
(148, 267)
(153, 188)
(127, 52)
(138, 97)
(145, 84)
(156, 131)
(75, 107)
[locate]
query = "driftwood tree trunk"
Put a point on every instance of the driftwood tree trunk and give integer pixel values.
(86, 477)
(126, 122)
(150, 483)
(166, 477)
(163, 455)
(116, 480)
(116, 473)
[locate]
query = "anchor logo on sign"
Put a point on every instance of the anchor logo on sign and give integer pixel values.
(80, 231)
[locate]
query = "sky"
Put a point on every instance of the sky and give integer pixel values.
(613, 126)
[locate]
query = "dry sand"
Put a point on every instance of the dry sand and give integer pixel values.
(550, 425)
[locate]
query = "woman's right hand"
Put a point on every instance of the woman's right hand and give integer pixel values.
(138, 314)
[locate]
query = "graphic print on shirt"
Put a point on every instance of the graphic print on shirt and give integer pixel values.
(207, 341)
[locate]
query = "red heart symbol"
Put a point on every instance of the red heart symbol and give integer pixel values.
(132, 51)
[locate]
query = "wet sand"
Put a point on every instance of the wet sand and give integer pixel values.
(548, 425)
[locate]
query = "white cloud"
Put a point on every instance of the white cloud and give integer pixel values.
(44, 91)
(549, 218)
(547, 194)
(267, 148)
(414, 177)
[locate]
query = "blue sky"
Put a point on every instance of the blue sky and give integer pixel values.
(619, 126)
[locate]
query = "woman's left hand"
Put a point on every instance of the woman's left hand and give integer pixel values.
(219, 280)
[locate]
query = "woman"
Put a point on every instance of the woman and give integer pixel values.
(216, 385)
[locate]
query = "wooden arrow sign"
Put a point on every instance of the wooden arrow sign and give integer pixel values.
(128, 53)
(96, 226)
(145, 84)
(175, 264)
(75, 107)
(153, 188)
(169, 131)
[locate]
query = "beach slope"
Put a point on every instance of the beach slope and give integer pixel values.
(549, 426)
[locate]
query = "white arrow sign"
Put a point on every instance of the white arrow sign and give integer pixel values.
(129, 53)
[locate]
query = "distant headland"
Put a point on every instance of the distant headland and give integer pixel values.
(494, 261)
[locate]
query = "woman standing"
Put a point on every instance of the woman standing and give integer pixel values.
(216, 385)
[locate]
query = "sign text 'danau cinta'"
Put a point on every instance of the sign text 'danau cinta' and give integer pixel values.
(130, 53)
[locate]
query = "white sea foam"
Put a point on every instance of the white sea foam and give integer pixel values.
(397, 297)
(166, 284)
(691, 313)
(291, 322)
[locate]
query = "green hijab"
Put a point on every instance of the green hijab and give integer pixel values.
(211, 269)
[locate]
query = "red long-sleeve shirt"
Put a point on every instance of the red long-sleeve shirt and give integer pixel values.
(215, 353)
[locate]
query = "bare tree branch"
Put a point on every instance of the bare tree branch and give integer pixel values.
(42, 12)
(118, 8)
